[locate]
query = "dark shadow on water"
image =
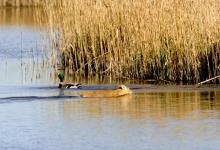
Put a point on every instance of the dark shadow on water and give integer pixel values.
(34, 98)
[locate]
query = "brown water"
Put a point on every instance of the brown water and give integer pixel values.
(35, 114)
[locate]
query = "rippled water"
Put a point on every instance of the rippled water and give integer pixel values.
(35, 114)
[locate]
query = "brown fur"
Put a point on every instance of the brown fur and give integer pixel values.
(122, 90)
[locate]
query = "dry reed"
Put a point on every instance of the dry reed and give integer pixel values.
(161, 39)
(19, 3)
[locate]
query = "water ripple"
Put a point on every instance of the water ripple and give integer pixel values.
(33, 98)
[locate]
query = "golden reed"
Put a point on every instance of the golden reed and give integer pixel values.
(161, 39)
(19, 3)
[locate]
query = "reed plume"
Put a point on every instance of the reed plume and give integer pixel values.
(160, 39)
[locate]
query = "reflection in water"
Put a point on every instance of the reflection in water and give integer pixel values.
(98, 107)
(19, 16)
(145, 120)
(148, 105)
(26, 65)
(24, 48)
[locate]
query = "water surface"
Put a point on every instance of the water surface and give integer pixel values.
(35, 114)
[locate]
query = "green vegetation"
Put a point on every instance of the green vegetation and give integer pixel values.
(143, 39)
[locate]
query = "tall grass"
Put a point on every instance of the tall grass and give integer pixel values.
(174, 40)
(19, 3)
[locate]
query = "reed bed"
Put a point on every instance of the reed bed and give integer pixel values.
(137, 39)
(19, 3)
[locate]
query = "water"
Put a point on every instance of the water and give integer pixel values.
(35, 114)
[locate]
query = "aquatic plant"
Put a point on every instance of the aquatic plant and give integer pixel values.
(161, 39)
